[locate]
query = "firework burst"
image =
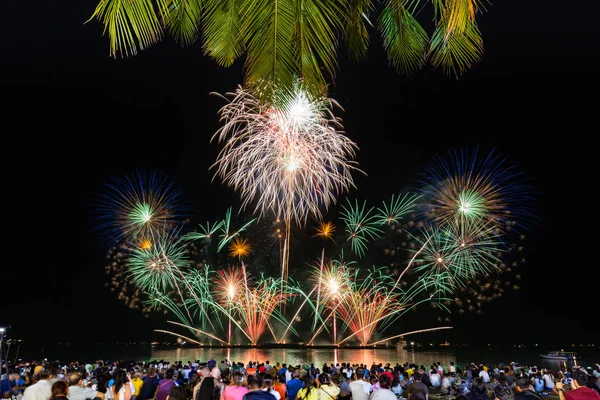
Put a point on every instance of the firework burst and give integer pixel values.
(157, 267)
(361, 225)
(465, 189)
(398, 207)
(240, 248)
(289, 155)
(325, 230)
(135, 207)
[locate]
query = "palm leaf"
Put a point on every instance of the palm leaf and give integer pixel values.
(182, 19)
(357, 37)
(316, 23)
(456, 43)
(404, 38)
(131, 24)
(221, 36)
(267, 31)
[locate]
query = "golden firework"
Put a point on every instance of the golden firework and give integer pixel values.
(325, 230)
(239, 248)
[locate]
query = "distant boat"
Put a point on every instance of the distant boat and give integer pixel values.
(560, 355)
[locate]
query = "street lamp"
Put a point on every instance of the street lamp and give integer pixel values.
(2, 333)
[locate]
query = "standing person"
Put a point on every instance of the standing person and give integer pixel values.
(326, 389)
(294, 385)
(210, 387)
(177, 393)
(122, 388)
(59, 390)
(360, 388)
(289, 373)
(483, 374)
(137, 384)
(149, 385)
(236, 389)
(282, 372)
(579, 389)
(255, 392)
(524, 390)
(101, 386)
(77, 389)
(268, 386)
(165, 385)
(345, 393)
(9, 386)
(251, 369)
(203, 373)
(279, 386)
(308, 390)
(42, 389)
(384, 392)
(417, 390)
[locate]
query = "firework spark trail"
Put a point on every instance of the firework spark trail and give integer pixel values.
(322, 326)
(325, 230)
(408, 267)
(410, 333)
(226, 236)
(463, 252)
(166, 302)
(181, 296)
(198, 330)
(333, 281)
(178, 335)
(228, 285)
(396, 313)
(196, 298)
(257, 305)
(397, 208)
(306, 299)
(319, 287)
(362, 310)
(368, 302)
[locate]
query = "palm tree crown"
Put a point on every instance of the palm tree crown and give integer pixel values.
(286, 39)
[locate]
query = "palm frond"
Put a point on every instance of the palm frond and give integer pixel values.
(357, 37)
(267, 31)
(130, 25)
(182, 20)
(316, 24)
(404, 38)
(221, 33)
(456, 43)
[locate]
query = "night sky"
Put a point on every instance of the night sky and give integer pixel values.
(72, 117)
